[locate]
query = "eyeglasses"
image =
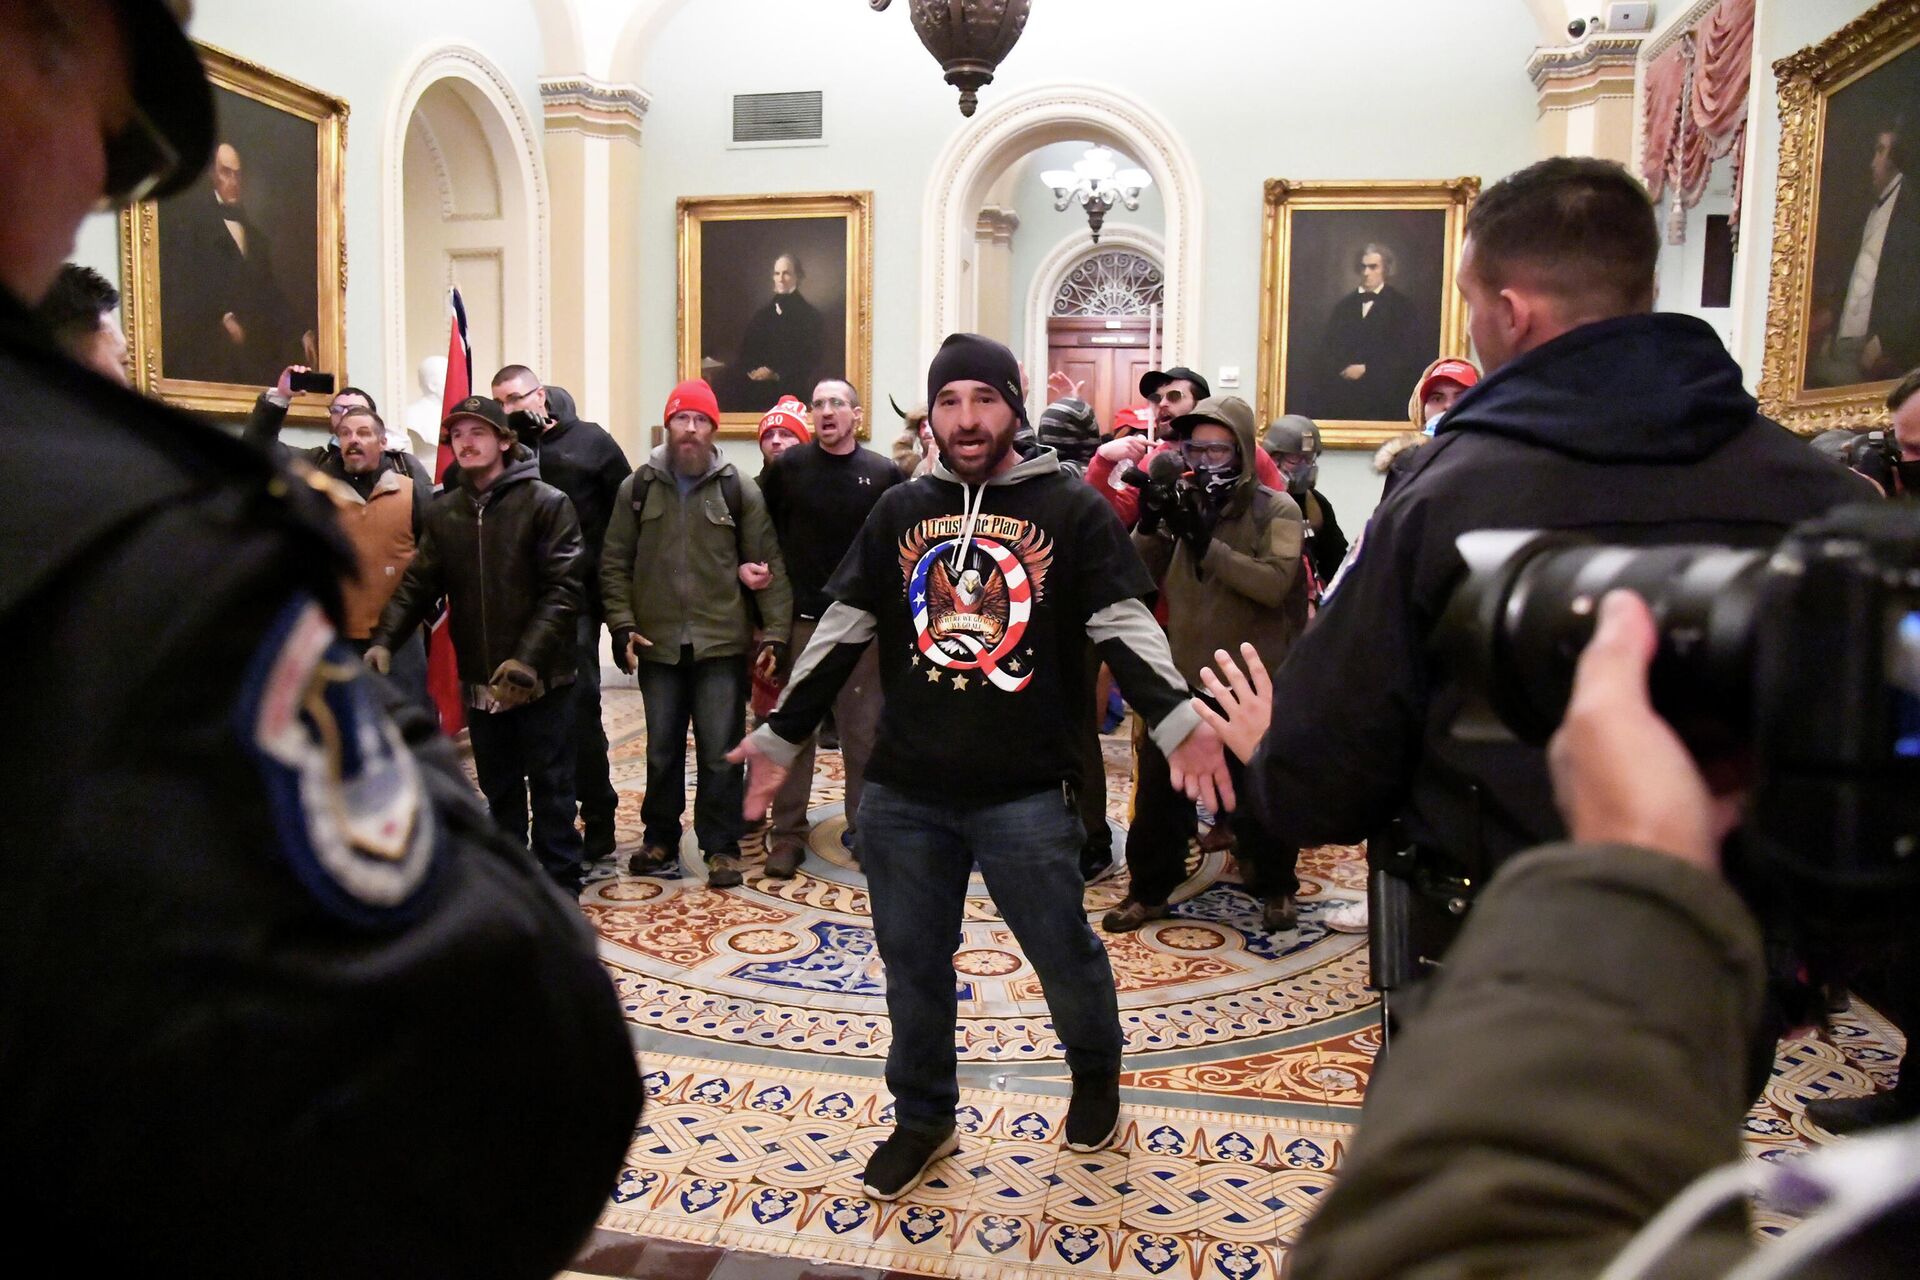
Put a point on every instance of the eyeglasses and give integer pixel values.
(139, 158)
(1206, 451)
(834, 403)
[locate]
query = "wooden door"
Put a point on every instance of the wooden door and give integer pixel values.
(1107, 356)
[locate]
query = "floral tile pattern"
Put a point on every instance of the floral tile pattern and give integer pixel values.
(1247, 1058)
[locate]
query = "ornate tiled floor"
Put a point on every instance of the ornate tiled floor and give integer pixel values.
(758, 1017)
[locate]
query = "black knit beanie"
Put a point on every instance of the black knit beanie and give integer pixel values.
(968, 357)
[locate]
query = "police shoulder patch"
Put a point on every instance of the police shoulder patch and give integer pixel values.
(349, 805)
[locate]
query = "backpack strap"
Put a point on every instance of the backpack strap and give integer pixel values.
(729, 493)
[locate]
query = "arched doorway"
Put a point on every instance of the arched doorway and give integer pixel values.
(466, 206)
(979, 156)
(1103, 326)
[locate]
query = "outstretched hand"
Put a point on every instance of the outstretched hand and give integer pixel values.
(1621, 775)
(1198, 768)
(763, 778)
(1245, 701)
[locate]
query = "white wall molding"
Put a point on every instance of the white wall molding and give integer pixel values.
(980, 153)
(595, 108)
(1072, 250)
(473, 68)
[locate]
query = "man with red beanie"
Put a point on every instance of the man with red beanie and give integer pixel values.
(781, 428)
(683, 622)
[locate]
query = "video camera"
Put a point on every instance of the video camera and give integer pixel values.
(1168, 493)
(1802, 663)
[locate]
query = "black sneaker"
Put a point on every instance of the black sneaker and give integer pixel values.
(1853, 1115)
(1095, 861)
(600, 840)
(1093, 1117)
(898, 1164)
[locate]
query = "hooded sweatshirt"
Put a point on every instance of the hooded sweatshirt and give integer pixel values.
(582, 461)
(1632, 430)
(1247, 586)
(981, 601)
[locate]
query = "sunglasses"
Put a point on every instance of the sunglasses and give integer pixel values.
(1206, 451)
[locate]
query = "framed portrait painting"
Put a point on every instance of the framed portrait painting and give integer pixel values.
(1357, 298)
(244, 273)
(1843, 312)
(775, 294)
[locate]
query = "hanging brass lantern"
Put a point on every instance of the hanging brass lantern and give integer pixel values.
(967, 37)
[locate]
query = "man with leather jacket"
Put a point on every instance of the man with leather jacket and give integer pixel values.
(504, 548)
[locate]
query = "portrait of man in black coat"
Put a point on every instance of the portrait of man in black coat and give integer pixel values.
(1866, 324)
(1364, 367)
(780, 352)
(227, 316)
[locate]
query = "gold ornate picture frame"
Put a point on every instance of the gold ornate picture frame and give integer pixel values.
(1834, 97)
(215, 306)
(753, 342)
(1316, 236)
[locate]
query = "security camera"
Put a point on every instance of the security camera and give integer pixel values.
(1577, 28)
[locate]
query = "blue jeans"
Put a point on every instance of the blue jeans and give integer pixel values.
(531, 748)
(917, 855)
(712, 693)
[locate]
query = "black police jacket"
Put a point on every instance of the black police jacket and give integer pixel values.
(275, 996)
(1634, 430)
(508, 563)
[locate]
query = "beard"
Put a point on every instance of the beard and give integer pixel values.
(981, 462)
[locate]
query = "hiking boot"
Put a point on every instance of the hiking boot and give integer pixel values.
(1130, 915)
(1347, 917)
(898, 1164)
(723, 870)
(1853, 1115)
(1093, 1117)
(1279, 913)
(651, 859)
(785, 859)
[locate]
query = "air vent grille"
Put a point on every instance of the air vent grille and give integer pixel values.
(777, 117)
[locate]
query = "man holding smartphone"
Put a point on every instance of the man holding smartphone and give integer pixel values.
(504, 549)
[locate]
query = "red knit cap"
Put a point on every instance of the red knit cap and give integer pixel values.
(693, 396)
(789, 413)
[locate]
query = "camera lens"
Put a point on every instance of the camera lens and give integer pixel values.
(1528, 606)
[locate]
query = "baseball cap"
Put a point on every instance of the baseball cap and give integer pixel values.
(171, 138)
(485, 408)
(1456, 371)
(1154, 379)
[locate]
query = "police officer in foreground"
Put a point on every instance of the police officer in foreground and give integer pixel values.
(275, 997)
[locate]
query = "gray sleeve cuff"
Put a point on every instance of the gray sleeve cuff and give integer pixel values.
(1174, 727)
(774, 747)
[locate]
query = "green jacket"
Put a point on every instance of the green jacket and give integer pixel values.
(1583, 1057)
(1248, 585)
(671, 571)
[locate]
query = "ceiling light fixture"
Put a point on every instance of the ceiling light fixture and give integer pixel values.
(967, 37)
(1095, 183)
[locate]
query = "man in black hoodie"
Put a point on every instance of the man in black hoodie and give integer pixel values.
(1596, 416)
(582, 461)
(504, 549)
(979, 588)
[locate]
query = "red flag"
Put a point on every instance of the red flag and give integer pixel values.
(443, 673)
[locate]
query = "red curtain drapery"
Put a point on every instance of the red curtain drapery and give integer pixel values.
(1697, 95)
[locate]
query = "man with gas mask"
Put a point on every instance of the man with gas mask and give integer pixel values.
(1227, 551)
(1293, 442)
